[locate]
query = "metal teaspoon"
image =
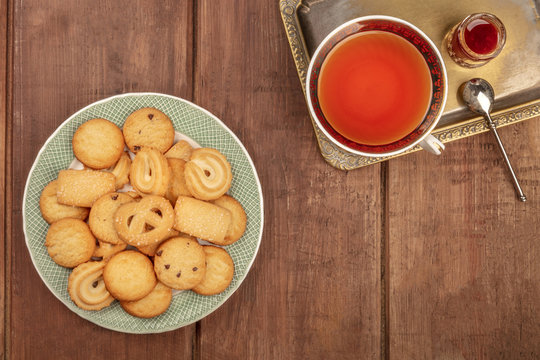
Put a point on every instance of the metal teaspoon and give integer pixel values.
(479, 96)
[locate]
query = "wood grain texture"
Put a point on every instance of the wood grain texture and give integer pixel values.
(4, 173)
(313, 292)
(66, 56)
(463, 251)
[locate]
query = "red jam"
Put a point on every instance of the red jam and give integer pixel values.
(481, 36)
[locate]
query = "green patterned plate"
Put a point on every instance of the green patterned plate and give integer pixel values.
(189, 119)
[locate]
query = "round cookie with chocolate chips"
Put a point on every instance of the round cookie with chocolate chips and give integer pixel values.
(148, 127)
(180, 263)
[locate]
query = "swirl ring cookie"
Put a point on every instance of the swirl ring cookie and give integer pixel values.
(208, 174)
(148, 127)
(86, 287)
(150, 173)
(144, 222)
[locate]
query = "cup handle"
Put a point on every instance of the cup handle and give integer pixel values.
(432, 144)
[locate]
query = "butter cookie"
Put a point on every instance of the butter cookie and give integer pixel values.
(219, 271)
(208, 174)
(238, 218)
(70, 242)
(179, 263)
(144, 222)
(180, 150)
(86, 287)
(98, 143)
(101, 218)
(149, 172)
(148, 127)
(83, 187)
(201, 219)
(153, 304)
(53, 211)
(129, 275)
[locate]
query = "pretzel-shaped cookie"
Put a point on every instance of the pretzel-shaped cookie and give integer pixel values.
(144, 222)
(150, 172)
(208, 174)
(86, 287)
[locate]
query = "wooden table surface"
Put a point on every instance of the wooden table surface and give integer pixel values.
(420, 257)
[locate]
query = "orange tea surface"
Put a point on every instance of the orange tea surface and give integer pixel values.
(374, 88)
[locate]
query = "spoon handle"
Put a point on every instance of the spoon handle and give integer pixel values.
(491, 125)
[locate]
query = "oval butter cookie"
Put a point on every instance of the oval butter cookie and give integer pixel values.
(179, 263)
(180, 150)
(129, 275)
(149, 172)
(148, 127)
(219, 271)
(202, 219)
(177, 183)
(70, 242)
(238, 218)
(120, 170)
(98, 143)
(153, 304)
(83, 187)
(105, 250)
(101, 218)
(52, 211)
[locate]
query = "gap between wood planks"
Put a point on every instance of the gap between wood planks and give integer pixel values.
(385, 264)
(196, 344)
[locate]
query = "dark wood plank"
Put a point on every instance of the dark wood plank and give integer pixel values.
(5, 94)
(68, 55)
(313, 292)
(464, 274)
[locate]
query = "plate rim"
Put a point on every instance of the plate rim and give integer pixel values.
(139, 94)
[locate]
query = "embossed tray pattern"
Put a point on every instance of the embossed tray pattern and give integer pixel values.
(515, 74)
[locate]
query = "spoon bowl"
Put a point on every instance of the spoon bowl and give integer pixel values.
(478, 95)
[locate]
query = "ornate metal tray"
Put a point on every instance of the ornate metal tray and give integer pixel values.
(514, 74)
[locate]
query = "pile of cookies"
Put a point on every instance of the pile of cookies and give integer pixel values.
(135, 224)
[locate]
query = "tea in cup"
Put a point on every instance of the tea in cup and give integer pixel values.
(376, 86)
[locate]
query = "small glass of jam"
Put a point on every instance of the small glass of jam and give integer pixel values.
(476, 40)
